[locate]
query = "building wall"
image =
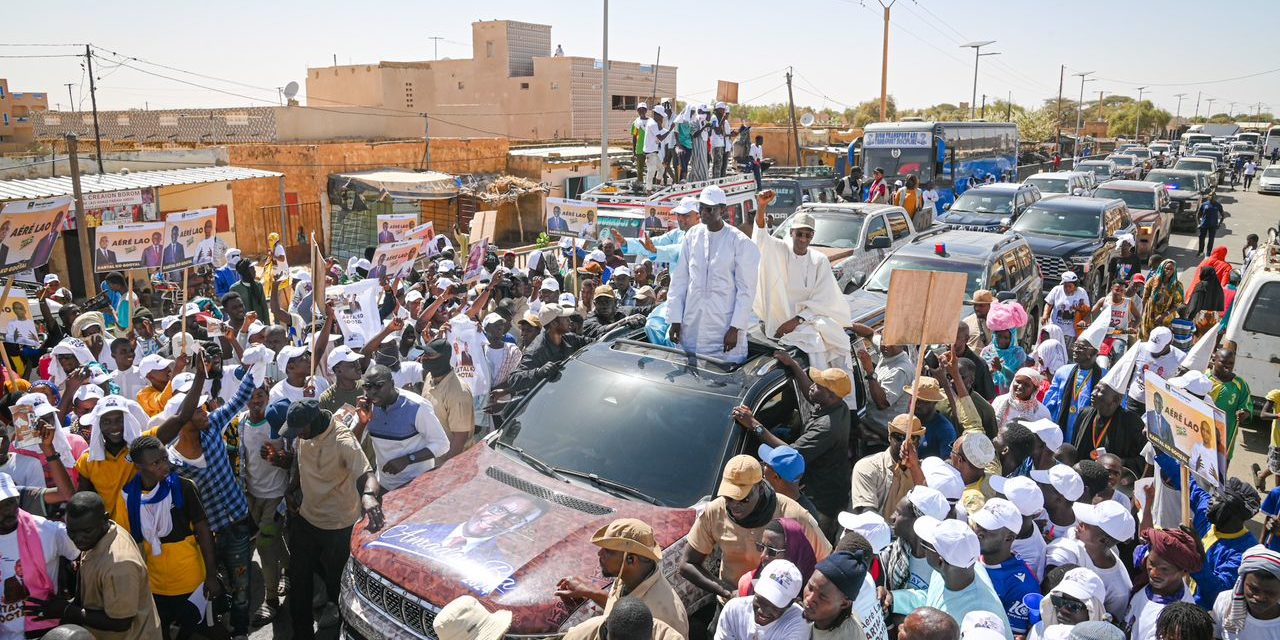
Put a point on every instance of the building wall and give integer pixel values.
(630, 80)
(17, 129)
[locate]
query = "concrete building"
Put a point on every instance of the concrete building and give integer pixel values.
(512, 86)
(17, 127)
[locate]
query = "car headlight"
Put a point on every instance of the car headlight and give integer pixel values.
(1082, 263)
(1146, 227)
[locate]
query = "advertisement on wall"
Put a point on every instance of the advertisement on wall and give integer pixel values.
(118, 207)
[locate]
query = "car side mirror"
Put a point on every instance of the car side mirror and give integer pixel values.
(1006, 296)
(858, 279)
(1077, 191)
(1110, 239)
(881, 242)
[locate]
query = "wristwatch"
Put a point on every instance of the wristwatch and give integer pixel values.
(413, 457)
(759, 430)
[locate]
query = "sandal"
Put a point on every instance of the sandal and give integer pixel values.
(1258, 482)
(264, 615)
(283, 587)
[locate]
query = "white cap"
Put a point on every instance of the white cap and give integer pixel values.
(1022, 491)
(688, 204)
(622, 271)
(1108, 515)
(446, 266)
(341, 354)
(869, 525)
(712, 195)
(364, 264)
(954, 541)
(153, 362)
(1193, 382)
(166, 322)
(928, 502)
(979, 625)
(466, 619)
(660, 111)
(721, 105)
(1158, 339)
(779, 583)
(256, 328)
(181, 383)
(51, 278)
(182, 342)
(1048, 431)
(1097, 331)
(88, 392)
(1063, 478)
(492, 318)
(287, 353)
(39, 404)
(567, 299)
(550, 284)
(233, 256)
(642, 105)
(997, 513)
(597, 256)
(171, 407)
(940, 475)
(413, 296)
(1070, 276)
(190, 309)
(1082, 584)
(977, 448)
(8, 490)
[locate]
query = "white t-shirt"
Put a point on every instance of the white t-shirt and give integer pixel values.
(409, 373)
(756, 152)
(264, 479)
(1032, 550)
(868, 608)
(1141, 619)
(285, 391)
(1064, 308)
(738, 622)
(1254, 629)
(25, 470)
(1165, 366)
(130, 382)
(651, 133)
(717, 137)
(1250, 168)
(55, 543)
(1069, 550)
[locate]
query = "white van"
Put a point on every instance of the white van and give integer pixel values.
(1254, 324)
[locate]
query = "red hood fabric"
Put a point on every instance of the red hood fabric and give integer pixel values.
(1218, 260)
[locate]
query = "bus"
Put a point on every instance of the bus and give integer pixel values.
(953, 155)
(1272, 142)
(1193, 138)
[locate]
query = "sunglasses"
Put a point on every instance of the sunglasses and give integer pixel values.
(372, 385)
(1069, 605)
(772, 552)
(900, 437)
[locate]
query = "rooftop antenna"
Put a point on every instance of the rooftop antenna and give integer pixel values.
(807, 120)
(289, 91)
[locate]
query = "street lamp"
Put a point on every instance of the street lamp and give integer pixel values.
(1080, 110)
(1138, 117)
(976, 46)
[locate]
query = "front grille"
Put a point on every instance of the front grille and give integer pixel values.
(1051, 267)
(577, 504)
(415, 614)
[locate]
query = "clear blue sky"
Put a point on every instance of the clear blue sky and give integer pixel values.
(833, 45)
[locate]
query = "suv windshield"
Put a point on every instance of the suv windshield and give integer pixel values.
(1135, 199)
(1048, 185)
(993, 203)
(1122, 161)
(1175, 181)
(840, 231)
(623, 428)
(1271, 172)
(1191, 164)
(1099, 169)
(879, 280)
(1054, 222)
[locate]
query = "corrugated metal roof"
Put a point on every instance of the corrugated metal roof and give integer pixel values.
(101, 183)
(566, 152)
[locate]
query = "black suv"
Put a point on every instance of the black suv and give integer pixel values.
(1003, 264)
(796, 186)
(1077, 234)
(991, 207)
(1187, 191)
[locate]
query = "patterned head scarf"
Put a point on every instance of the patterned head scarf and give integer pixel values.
(1257, 558)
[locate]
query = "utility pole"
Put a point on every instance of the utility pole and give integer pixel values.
(657, 100)
(1079, 111)
(984, 106)
(976, 46)
(1101, 114)
(795, 133)
(435, 46)
(1197, 105)
(604, 100)
(1231, 109)
(884, 65)
(1008, 108)
(1062, 71)
(70, 100)
(82, 228)
(1137, 120)
(426, 133)
(93, 100)
(1178, 115)
(1208, 112)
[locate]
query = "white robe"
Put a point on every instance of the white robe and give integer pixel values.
(804, 286)
(712, 287)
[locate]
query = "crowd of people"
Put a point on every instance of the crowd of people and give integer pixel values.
(1008, 490)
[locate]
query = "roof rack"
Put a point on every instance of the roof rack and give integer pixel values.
(806, 172)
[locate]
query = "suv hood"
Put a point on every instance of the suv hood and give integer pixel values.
(1055, 245)
(833, 254)
(1183, 194)
(518, 568)
(867, 307)
(972, 218)
(1144, 215)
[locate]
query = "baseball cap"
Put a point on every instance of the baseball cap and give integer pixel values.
(802, 221)
(785, 461)
(741, 474)
(977, 449)
(51, 278)
(940, 475)
(712, 195)
(834, 380)
(869, 525)
(490, 319)
(622, 271)
(642, 105)
(660, 111)
(779, 583)
(1193, 382)
(1095, 630)
(302, 414)
(1082, 584)
(1022, 491)
(466, 619)
(604, 291)
(446, 266)
(688, 204)
(233, 256)
(954, 541)
(1108, 515)
(550, 312)
(183, 343)
(1048, 431)
(182, 382)
(88, 392)
(566, 299)
(1070, 276)
(997, 513)
(8, 490)
(287, 353)
(1159, 338)
(341, 354)
(256, 328)
(1139, 278)
(39, 404)
(1063, 478)
(550, 284)
(597, 256)
(530, 318)
(928, 502)
(153, 362)
(167, 321)
(629, 536)
(980, 624)
(644, 293)
(846, 570)
(412, 296)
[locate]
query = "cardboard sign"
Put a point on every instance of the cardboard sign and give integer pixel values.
(189, 239)
(394, 260)
(17, 323)
(355, 307)
(570, 217)
(394, 227)
(940, 293)
(475, 262)
(482, 226)
(726, 91)
(28, 231)
(1191, 430)
(128, 246)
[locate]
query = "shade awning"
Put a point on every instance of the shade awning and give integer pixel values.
(401, 184)
(34, 188)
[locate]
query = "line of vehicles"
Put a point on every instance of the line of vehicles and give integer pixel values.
(594, 442)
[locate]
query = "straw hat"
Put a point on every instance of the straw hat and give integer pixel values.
(926, 389)
(628, 535)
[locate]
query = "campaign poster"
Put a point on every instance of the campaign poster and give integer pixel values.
(28, 231)
(189, 239)
(630, 226)
(394, 227)
(475, 262)
(26, 433)
(425, 232)
(571, 218)
(658, 219)
(355, 307)
(394, 260)
(128, 246)
(1187, 428)
(17, 320)
(118, 207)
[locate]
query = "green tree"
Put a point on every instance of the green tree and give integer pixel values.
(1037, 126)
(864, 113)
(1122, 119)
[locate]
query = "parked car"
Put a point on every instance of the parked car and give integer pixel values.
(795, 188)
(1128, 167)
(1002, 264)
(1219, 158)
(1161, 152)
(1206, 166)
(1149, 206)
(1102, 170)
(1053, 184)
(1254, 325)
(853, 235)
(1187, 191)
(1269, 180)
(1143, 155)
(991, 207)
(1076, 234)
(535, 490)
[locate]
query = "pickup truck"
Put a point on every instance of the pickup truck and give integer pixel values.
(855, 236)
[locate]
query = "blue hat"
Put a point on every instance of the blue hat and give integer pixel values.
(785, 461)
(846, 570)
(276, 413)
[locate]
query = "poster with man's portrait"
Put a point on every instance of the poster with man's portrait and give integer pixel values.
(355, 308)
(118, 247)
(189, 239)
(29, 229)
(1191, 430)
(394, 227)
(394, 260)
(17, 320)
(571, 218)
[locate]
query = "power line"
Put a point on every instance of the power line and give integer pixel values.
(1188, 84)
(60, 55)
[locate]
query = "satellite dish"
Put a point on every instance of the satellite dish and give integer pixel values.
(290, 90)
(807, 120)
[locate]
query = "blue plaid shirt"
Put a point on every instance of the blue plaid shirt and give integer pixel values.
(224, 501)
